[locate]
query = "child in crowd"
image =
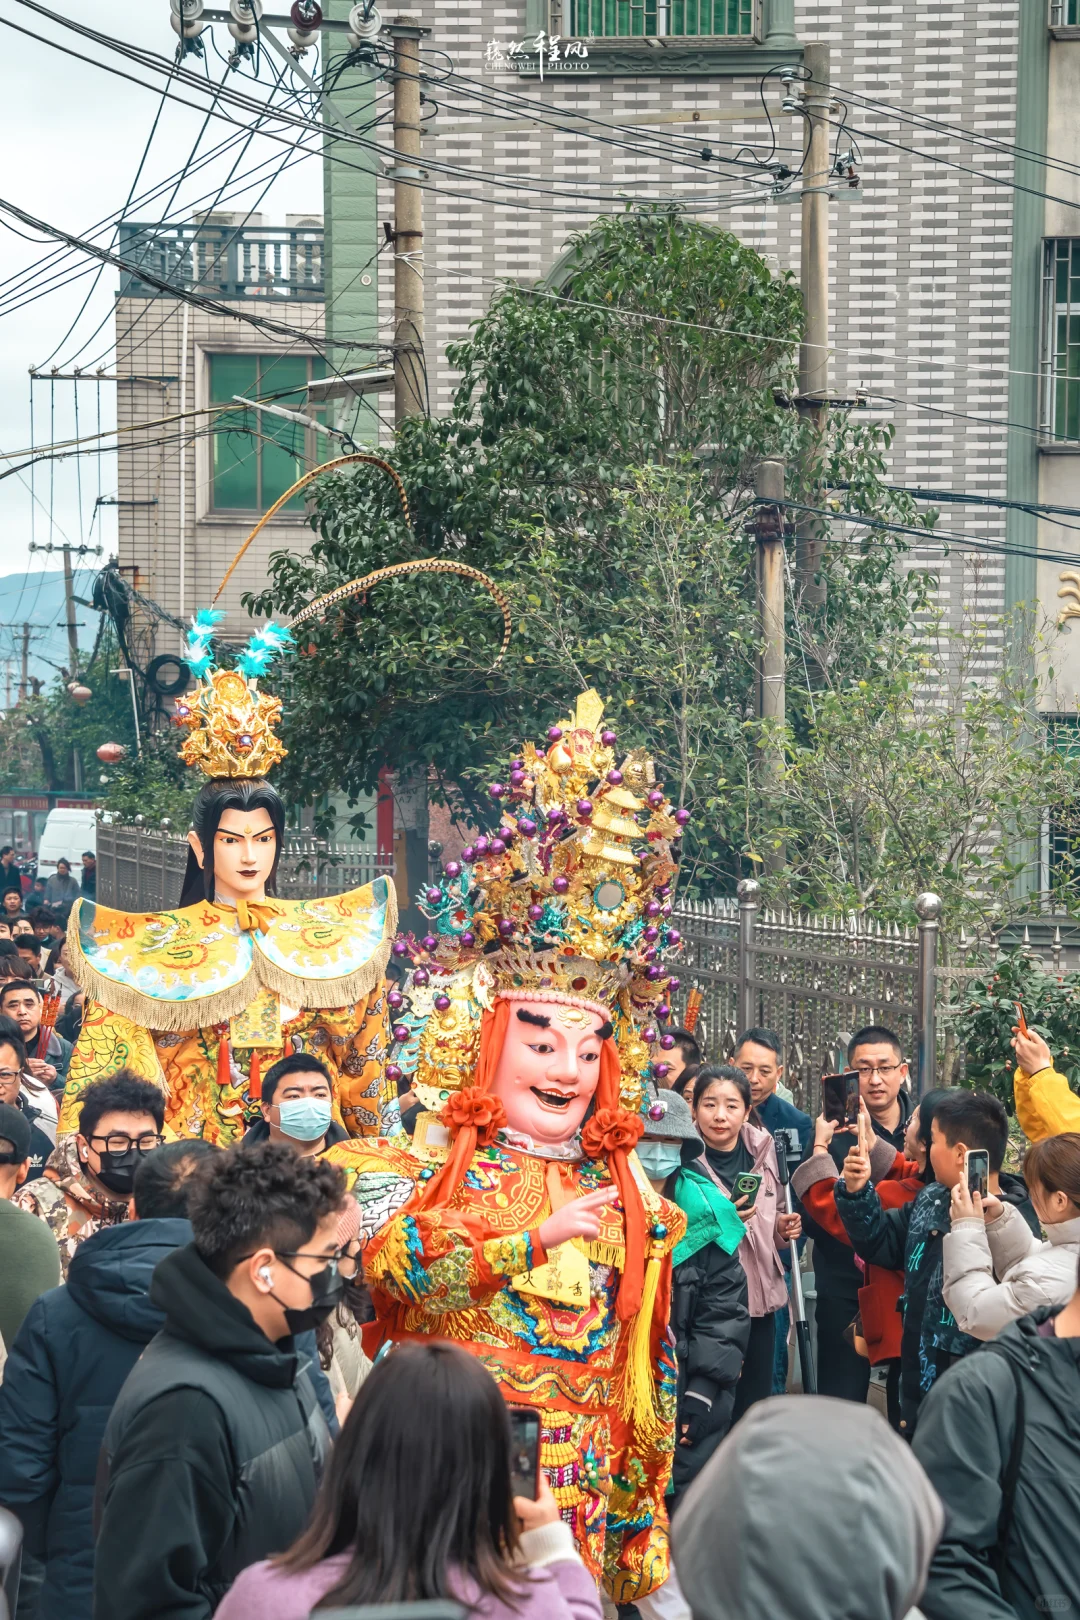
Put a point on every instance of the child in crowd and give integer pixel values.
(912, 1236)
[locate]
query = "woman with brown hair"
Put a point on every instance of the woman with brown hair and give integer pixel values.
(995, 1269)
(417, 1504)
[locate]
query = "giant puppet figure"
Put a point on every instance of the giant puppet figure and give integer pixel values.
(520, 1224)
(202, 998)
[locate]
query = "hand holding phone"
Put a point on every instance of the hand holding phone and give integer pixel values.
(747, 1187)
(840, 1097)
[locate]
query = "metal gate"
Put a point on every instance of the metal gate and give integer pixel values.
(812, 979)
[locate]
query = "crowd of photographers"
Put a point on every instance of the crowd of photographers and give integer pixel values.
(190, 1427)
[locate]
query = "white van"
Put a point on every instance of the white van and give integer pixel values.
(66, 834)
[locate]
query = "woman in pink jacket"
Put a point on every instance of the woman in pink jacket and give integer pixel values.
(737, 1146)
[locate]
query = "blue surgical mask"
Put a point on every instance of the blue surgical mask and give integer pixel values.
(305, 1119)
(659, 1159)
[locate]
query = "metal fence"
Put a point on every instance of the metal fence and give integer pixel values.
(812, 979)
(143, 870)
(229, 261)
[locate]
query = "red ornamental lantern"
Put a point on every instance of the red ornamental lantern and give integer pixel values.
(111, 753)
(78, 693)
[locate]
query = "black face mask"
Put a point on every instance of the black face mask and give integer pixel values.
(327, 1291)
(118, 1171)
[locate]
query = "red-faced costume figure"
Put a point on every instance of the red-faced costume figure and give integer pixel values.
(524, 1021)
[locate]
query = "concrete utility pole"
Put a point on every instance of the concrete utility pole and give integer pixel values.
(72, 626)
(410, 388)
(814, 275)
(24, 681)
(772, 699)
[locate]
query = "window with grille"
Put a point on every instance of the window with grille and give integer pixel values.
(674, 19)
(1060, 409)
(1064, 13)
(1063, 830)
(256, 456)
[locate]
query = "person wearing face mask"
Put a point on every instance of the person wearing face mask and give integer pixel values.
(710, 1315)
(216, 1444)
(88, 1179)
(297, 1107)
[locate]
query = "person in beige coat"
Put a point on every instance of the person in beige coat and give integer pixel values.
(995, 1268)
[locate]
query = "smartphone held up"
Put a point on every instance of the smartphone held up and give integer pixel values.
(977, 1171)
(840, 1098)
(524, 1451)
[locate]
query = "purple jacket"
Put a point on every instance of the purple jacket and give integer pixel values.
(555, 1586)
(766, 1285)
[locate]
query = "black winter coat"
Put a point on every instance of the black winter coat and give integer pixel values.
(710, 1319)
(965, 1443)
(65, 1369)
(211, 1458)
(911, 1239)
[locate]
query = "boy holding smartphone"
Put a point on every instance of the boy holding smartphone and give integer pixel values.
(911, 1237)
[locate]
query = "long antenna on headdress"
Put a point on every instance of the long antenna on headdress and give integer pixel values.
(327, 466)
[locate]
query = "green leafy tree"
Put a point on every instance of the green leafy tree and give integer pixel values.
(926, 772)
(39, 737)
(598, 460)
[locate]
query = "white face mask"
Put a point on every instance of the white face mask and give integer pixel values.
(305, 1119)
(659, 1159)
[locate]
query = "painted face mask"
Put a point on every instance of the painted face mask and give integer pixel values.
(305, 1119)
(659, 1159)
(548, 1069)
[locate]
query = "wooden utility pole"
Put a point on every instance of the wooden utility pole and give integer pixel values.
(772, 697)
(410, 380)
(814, 276)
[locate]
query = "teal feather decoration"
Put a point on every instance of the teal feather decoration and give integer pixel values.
(262, 649)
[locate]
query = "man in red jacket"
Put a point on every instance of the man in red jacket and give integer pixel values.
(898, 1177)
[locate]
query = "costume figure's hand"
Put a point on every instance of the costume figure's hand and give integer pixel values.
(578, 1219)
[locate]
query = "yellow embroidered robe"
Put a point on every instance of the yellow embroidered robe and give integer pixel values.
(186, 997)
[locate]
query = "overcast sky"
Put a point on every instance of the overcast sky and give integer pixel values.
(73, 134)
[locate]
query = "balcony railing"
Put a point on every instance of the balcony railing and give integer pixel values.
(223, 261)
(657, 19)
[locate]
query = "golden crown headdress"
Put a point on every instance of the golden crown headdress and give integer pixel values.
(230, 723)
(569, 901)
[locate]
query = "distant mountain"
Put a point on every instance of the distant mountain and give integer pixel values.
(37, 599)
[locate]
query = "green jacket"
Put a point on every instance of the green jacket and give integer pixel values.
(29, 1266)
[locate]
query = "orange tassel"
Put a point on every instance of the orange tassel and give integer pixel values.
(255, 1076)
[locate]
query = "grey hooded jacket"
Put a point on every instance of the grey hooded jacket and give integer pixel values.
(811, 1509)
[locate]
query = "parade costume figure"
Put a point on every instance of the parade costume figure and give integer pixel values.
(522, 1022)
(202, 999)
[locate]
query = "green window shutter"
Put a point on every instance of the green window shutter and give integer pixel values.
(537, 17)
(283, 448)
(235, 457)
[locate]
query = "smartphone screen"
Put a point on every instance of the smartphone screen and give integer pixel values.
(840, 1097)
(1021, 1021)
(747, 1186)
(977, 1164)
(524, 1451)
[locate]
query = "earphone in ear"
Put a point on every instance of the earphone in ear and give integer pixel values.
(266, 1274)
